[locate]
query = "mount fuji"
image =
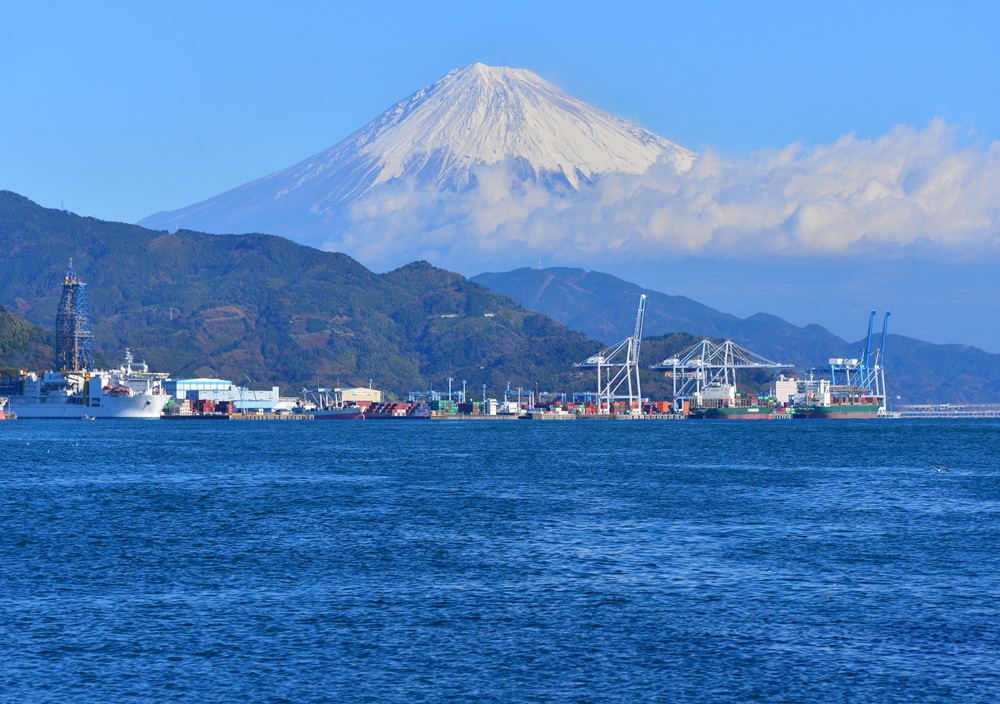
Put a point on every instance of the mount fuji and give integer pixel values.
(472, 127)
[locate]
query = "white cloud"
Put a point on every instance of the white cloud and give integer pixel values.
(910, 190)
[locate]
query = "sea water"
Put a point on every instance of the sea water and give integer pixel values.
(424, 561)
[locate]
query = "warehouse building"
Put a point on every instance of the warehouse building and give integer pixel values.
(217, 391)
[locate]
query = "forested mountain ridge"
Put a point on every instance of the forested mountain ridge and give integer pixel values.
(23, 345)
(263, 308)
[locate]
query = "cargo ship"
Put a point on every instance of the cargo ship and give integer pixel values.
(819, 398)
(721, 401)
(338, 413)
(704, 379)
(738, 413)
(855, 389)
(327, 404)
(756, 411)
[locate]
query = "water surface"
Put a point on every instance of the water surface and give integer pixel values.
(509, 561)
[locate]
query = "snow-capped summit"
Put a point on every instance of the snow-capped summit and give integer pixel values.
(474, 116)
(485, 115)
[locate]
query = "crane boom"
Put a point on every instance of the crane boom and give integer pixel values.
(885, 327)
(621, 363)
(868, 345)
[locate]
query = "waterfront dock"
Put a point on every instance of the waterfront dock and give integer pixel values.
(271, 416)
(237, 416)
(948, 410)
(561, 416)
(467, 416)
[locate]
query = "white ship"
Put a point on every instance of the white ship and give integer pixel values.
(79, 391)
(127, 392)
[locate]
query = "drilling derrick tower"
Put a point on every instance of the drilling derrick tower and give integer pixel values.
(74, 339)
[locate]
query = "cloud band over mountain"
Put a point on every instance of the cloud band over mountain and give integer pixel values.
(925, 192)
(492, 166)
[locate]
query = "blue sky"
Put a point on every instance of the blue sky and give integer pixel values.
(118, 110)
(122, 109)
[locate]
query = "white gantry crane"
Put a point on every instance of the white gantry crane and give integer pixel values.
(618, 369)
(707, 370)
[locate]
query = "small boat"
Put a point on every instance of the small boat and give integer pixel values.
(86, 417)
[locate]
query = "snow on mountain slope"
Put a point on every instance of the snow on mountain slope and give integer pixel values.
(486, 115)
(473, 117)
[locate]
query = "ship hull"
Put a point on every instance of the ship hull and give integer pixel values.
(147, 406)
(390, 416)
(845, 411)
(347, 413)
(753, 413)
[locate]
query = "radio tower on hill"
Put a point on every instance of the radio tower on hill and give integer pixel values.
(74, 340)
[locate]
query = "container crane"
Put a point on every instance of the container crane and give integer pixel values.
(707, 371)
(623, 358)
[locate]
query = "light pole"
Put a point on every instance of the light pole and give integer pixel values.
(463, 391)
(449, 389)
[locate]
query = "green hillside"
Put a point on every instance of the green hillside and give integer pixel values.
(23, 345)
(267, 309)
(263, 308)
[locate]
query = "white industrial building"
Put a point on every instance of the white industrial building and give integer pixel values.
(219, 390)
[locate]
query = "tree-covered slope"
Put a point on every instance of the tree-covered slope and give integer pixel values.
(267, 309)
(23, 345)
